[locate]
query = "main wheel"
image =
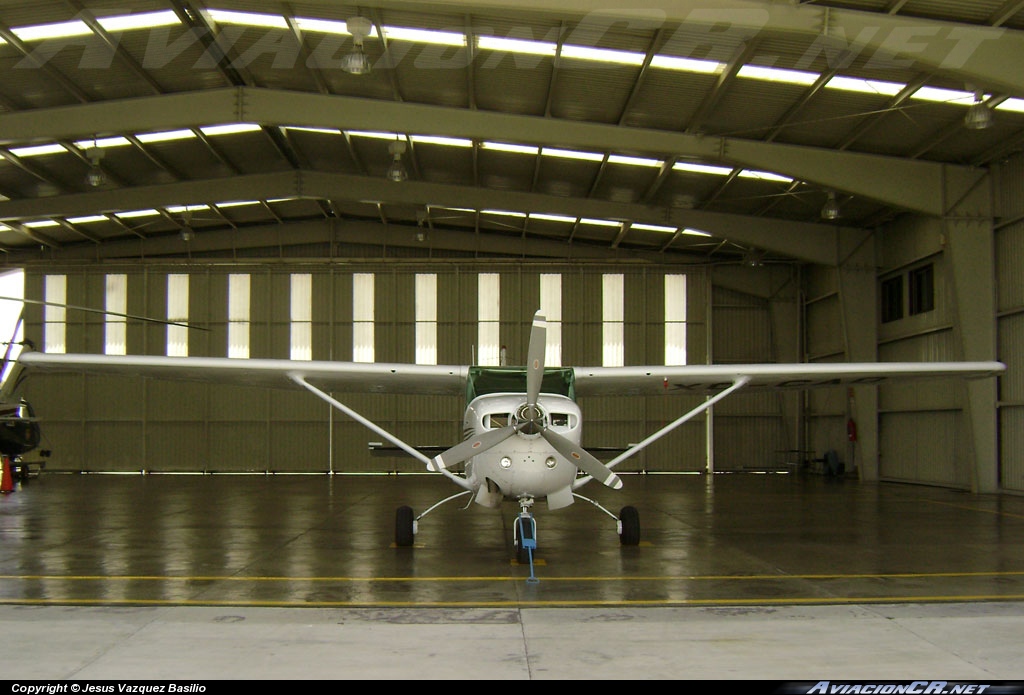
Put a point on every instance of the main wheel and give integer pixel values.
(629, 520)
(403, 527)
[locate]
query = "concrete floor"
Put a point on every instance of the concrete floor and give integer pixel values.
(748, 576)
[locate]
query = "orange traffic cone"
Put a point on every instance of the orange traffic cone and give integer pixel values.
(7, 484)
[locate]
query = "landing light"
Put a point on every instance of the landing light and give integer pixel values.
(505, 462)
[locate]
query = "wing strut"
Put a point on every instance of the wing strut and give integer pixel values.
(737, 384)
(369, 424)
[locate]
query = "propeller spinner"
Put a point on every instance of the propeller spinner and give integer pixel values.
(531, 419)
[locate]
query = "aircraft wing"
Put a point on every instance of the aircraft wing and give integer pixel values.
(353, 377)
(647, 380)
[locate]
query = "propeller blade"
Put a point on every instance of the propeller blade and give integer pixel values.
(471, 447)
(582, 460)
(535, 359)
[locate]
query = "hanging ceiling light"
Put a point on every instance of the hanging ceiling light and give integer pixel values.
(830, 210)
(356, 62)
(979, 115)
(396, 172)
(96, 176)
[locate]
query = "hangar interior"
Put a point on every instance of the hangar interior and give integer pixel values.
(762, 182)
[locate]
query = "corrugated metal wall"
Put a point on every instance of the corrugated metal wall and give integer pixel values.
(1010, 286)
(124, 424)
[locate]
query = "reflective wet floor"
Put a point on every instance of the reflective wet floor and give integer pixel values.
(736, 576)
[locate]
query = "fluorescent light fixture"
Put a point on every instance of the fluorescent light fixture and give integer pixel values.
(437, 140)
(503, 213)
(572, 154)
(760, 72)
(654, 228)
(602, 55)
(439, 38)
(948, 96)
(5, 228)
(552, 218)
(88, 219)
(496, 43)
(854, 84)
(694, 232)
(59, 30)
(166, 136)
(322, 26)
(379, 135)
(116, 141)
(229, 129)
(140, 20)
(634, 161)
(702, 168)
(131, 214)
(707, 67)
(37, 150)
(249, 19)
(507, 147)
(36, 224)
(763, 176)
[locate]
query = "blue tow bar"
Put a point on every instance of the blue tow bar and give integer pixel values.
(528, 541)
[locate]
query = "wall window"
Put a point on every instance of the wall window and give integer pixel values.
(551, 310)
(55, 291)
(362, 318)
(426, 318)
(921, 286)
(488, 319)
(892, 299)
(301, 300)
(238, 315)
(675, 319)
(115, 333)
(613, 310)
(177, 311)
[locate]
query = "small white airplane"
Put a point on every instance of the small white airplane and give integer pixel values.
(522, 425)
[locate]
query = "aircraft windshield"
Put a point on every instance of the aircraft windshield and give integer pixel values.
(484, 380)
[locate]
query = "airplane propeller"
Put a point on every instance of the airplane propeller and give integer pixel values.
(529, 418)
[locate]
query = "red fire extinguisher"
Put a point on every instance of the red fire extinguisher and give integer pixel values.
(851, 430)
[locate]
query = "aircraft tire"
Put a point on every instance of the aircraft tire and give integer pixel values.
(629, 517)
(403, 527)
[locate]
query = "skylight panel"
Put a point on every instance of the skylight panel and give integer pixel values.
(572, 154)
(496, 43)
(503, 213)
(763, 176)
(634, 161)
(760, 72)
(249, 19)
(702, 168)
(654, 228)
(694, 232)
(140, 20)
(176, 209)
(37, 224)
(546, 217)
(438, 38)
(508, 147)
(600, 223)
(59, 30)
(230, 129)
(116, 141)
(853, 84)
(379, 135)
(87, 219)
(707, 67)
(131, 214)
(1012, 104)
(309, 129)
(947, 96)
(602, 55)
(37, 150)
(166, 136)
(236, 203)
(325, 26)
(437, 140)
